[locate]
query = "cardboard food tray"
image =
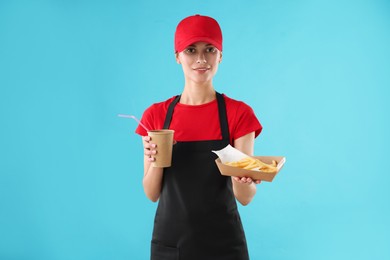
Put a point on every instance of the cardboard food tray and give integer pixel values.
(254, 174)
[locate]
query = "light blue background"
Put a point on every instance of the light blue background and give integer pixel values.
(315, 72)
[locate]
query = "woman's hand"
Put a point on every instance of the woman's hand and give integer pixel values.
(150, 149)
(244, 188)
(246, 180)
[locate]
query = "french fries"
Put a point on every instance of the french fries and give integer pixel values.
(250, 163)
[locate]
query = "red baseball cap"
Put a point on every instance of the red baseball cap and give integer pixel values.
(197, 28)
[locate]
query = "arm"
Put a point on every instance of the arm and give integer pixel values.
(152, 176)
(244, 189)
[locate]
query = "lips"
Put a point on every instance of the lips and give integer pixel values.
(201, 69)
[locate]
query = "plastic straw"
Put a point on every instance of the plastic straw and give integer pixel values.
(136, 119)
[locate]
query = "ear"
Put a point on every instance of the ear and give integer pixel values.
(177, 58)
(220, 57)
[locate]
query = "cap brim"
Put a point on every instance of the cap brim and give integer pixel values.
(190, 41)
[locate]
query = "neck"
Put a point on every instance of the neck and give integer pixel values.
(197, 94)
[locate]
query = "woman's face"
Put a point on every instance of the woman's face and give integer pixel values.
(199, 61)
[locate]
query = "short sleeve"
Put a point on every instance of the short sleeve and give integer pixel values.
(246, 122)
(148, 120)
(153, 117)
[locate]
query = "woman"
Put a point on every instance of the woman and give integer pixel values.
(197, 215)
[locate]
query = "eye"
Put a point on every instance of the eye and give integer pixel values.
(190, 50)
(211, 49)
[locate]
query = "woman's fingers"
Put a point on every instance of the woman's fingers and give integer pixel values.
(246, 180)
(149, 148)
(146, 139)
(147, 143)
(150, 152)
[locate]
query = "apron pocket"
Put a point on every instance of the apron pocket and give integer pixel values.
(162, 252)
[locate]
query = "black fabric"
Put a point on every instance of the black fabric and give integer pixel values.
(223, 117)
(197, 215)
(168, 117)
(164, 252)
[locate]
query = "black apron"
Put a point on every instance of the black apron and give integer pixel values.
(197, 217)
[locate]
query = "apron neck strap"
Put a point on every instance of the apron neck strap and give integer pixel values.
(221, 111)
(168, 117)
(223, 117)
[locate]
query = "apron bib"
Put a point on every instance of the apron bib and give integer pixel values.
(197, 217)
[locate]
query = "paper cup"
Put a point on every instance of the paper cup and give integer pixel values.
(164, 140)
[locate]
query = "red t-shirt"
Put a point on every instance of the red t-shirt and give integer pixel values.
(201, 122)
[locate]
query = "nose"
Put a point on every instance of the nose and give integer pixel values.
(201, 58)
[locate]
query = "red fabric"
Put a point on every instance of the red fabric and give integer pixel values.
(197, 123)
(197, 28)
